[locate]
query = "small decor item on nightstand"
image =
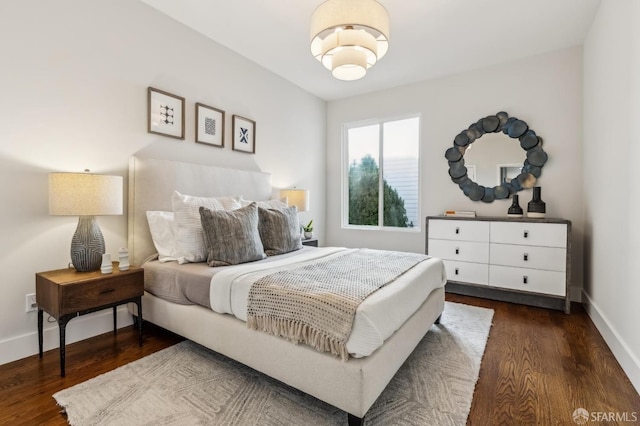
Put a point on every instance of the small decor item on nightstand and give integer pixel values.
(536, 207)
(123, 258)
(515, 210)
(308, 229)
(106, 267)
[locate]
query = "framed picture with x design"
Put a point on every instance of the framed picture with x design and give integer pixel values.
(244, 135)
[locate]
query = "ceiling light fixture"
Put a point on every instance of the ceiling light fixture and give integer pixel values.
(349, 36)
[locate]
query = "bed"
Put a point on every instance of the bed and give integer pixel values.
(352, 385)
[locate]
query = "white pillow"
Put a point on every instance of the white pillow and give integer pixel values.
(268, 204)
(190, 241)
(161, 225)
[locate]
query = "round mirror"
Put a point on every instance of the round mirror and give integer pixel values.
(492, 168)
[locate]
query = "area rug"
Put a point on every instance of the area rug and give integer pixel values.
(188, 384)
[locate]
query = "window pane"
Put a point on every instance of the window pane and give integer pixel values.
(400, 172)
(363, 153)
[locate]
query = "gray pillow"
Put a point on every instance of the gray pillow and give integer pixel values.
(232, 235)
(279, 230)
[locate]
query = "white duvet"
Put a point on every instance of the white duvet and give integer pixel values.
(377, 317)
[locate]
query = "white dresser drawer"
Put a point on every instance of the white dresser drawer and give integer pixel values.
(531, 257)
(530, 234)
(475, 273)
(464, 251)
(529, 280)
(459, 230)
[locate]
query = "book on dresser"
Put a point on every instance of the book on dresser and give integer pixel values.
(515, 260)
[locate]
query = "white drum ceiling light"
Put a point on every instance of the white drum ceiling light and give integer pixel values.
(349, 36)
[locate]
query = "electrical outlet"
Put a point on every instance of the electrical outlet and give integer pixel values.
(31, 303)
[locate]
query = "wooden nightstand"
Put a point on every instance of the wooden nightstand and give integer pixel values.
(312, 242)
(65, 294)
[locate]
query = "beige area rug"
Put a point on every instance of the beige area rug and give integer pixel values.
(187, 384)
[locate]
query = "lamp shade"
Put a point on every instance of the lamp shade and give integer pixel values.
(297, 197)
(84, 194)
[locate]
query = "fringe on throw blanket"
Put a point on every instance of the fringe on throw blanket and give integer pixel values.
(297, 332)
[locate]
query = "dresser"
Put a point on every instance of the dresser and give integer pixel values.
(517, 260)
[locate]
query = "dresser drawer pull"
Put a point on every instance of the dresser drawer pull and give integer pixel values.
(525, 279)
(526, 234)
(457, 230)
(457, 250)
(525, 257)
(456, 271)
(107, 291)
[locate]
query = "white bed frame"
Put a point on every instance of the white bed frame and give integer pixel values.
(352, 386)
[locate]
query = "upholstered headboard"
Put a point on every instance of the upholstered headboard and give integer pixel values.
(152, 182)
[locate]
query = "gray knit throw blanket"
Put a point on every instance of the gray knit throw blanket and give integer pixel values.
(315, 302)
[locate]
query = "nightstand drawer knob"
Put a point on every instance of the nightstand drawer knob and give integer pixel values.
(457, 250)
(456, 271)
(457, 230)
(525, 279)
(525, 257)
(107, 291)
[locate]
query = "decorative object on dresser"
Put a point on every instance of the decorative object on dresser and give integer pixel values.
(86, 195)
(123, 259)
(516, 260)
(536, 207)
(209, 125)
(515, 210)
(106, 267)
(244, 135)
(66, 293)
(165, 113)
(512, 127)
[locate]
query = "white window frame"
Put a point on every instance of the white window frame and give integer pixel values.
(345, 175)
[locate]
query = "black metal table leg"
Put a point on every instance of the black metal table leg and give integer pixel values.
(139, 303)
(115, 320)
(40, 319)
(62, 325)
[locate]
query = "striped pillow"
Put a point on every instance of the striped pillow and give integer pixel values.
(190, 241)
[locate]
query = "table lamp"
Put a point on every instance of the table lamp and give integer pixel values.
(296, 197)
(86, 195)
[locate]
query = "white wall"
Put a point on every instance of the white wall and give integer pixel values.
(545, 91)
(612, 199)
(74, 84)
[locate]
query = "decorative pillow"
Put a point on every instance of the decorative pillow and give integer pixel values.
(232, 236)
(268, 204)
(279, 230)
(190, 242)
(161, 225)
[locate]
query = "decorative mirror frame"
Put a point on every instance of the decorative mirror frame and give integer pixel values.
(512, 127)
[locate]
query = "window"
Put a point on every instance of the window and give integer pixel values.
(383, 158)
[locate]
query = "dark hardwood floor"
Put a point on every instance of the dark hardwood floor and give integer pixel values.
(539, 366)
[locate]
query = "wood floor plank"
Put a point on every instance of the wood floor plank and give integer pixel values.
(539, 366)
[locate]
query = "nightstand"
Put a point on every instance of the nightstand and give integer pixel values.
(65, 294)
(312, 242)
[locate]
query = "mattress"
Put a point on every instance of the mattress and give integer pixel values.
(227, 288)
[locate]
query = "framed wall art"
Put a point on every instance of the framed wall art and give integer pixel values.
(165, 113)
(244, 134)
(209, 125)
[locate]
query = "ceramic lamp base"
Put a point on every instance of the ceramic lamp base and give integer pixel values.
(87, 245)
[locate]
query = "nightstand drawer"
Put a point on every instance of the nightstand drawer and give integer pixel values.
(83, 295)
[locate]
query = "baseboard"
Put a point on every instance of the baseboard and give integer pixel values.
(626, 358)
(79, 328)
